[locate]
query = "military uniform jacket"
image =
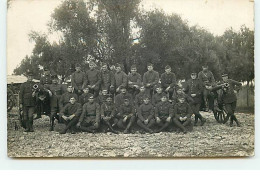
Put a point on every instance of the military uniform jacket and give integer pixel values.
(151, 77)
(93, 77)
(91, 112)
(83, 98)
(206, 77)
(70, 109)
(136, 79)
(101, 99)
(120, 79)
(107, 79)
(45, 79)
(163, 109)
(65, 98)
(229, 95)
(194, 87)
(120, 98)
(146, 111)
(25, 95)
(107, 109)
(157, 98)
(139, 98)
(182, 110)
(188, 99)
(168, 80)
(56, 90)
(77, 79)
(126, 110)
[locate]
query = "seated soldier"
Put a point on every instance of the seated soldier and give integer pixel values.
(102, 98)
(120, 78)
(108, 113)
(182, 114)
(134, 81)
(119, 99)
(168, 80)
(150, 78)
(180, 92)
(83, 98)
(163, 113)
(70, 115)
(146, 115)
(139, 98)
(158, 95)
(65, 98)
(126, 116)
(90, 118)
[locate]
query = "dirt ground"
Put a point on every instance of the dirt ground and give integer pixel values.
(211, 140)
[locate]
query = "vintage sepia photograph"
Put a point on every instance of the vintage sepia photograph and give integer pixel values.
(130, 78)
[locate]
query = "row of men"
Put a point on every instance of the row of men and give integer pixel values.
(194, 90)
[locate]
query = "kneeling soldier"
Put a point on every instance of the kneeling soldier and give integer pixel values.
(108, 113)
(146, 115)
(90, 118)
(70, 115)
(126, 116)
(163, 113)
(182, 113)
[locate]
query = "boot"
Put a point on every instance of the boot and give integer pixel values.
(27, 127)
(237, 122)
(231, 122)
(196, 120)
(203, 120)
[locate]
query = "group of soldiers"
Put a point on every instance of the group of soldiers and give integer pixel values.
(112, 99)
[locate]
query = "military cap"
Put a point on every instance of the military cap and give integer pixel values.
(77, 65)
(133, 66)
(126, 99)
(167, 67)
(158, 86)
(118, 65)
(85, 87)
(103, 64)
(146, 97)
(54, 76)
(92, 63)
(178, 88)
(149, 64)
(109, 96)
(224, 74)
(91, 96)
(123, 87)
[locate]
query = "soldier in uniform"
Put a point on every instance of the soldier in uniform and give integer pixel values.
(102, 98)
(56, 90)
(119, 99)
(83, 98)
(182, 114)
(180, 92)
(28, 101)
(93, 79)
(208, 80)
(77, 79)
(65, 98)
(107, 79)
(126, 116)
(139, 98)
(158, 95)
(120, 78)
(134, 81)
(90, 118)
(146, 115)
(108, 111)
(194, 89)
(70, 115)
(163, 113)
(229, 98)
(46, 78)
(150, 78)
(168, 81)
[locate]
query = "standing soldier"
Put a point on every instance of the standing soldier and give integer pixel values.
(168, 81)
(90, 118)
(163, 113)
(194, 89)
(208, 80)
(120, 78)
(229, 97)
(182, 114)
(70, 115)
(107, 79)
(93, 79)
(65, 98)
(150, 78)
(77, 79)
(108, 111)
(46, 78)
(134, 81)
(146, 115)
(126, 116)
(27, 101)
(56, 90)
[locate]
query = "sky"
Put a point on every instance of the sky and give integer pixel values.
(216, 16)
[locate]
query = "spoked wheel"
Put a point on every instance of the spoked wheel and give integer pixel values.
(220, 115)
